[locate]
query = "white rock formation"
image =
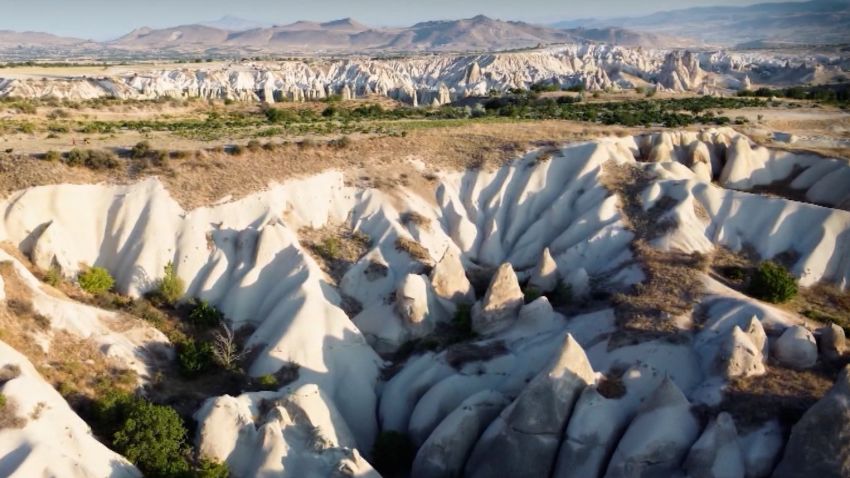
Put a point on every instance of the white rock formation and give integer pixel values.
(500, 307)
(448, 278)
(444, 452)
(739, 356)
(591, 436)
(657, 440)
(524, 440)
(432, 79)
(762, 448)
(832, 342)
(819, 444)
(545, 276)
(52, 440)
(717, 453)
(796, 348)
(294, 434)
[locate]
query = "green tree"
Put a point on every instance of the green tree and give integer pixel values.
(153, 438)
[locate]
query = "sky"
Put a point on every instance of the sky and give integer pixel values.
(107, 19)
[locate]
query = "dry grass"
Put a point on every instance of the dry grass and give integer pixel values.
(413, 218)
(823, 302)
(74, 366)
(673, 279)
(335, 247)
(412, 248)
(781, 393)
(9, 414)
(383, 162)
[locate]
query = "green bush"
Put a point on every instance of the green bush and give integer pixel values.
(141, 150)
(96, 280)
(773, 283)
(170, 288)
(52, 156)
(194, 358)
(2, 401)
(205, 315)
(76, 157)
(462, 323)
(253, 145)
(267, 382)
(101, 160)
(210, 469)
(153, 438)
(562, 295)
(531, 294)
(53, 276)
(393, 453)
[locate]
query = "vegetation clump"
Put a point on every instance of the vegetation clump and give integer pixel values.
(170, 288)
(151, 436)
(773, 283)
(393, 453)
(205, 315)
(92, 159)
(96, 281)
(194, 358)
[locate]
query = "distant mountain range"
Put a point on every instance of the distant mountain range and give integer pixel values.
(474, 34)
(239, 36)
(812, 22)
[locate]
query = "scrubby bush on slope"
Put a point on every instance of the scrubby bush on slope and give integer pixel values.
(773, 283)
(96, 280)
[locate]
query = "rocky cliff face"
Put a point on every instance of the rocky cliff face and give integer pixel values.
(437, 80)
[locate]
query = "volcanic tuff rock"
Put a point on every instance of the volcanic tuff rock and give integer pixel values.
(246, 257)
(501, 303)
(796, 348)
(832, 342)
(444, 452)
(820, 442)
(524, 440)
(545, 275)
(439, 79)
(51, 440)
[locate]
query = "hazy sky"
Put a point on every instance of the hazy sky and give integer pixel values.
(102, 19)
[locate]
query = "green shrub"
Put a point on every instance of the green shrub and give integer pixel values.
(253, 145)
(207, 468)
(531, 294)
(76, 157)
(393, 453)
(170, 288)
(52, 156)
(161, 159)
(53, 276)
(462, 323)
(153, 438)
(2, 401)
(267, 382)
(100, 160)
(773, 283)
(194, 358)
(141, 150)
(96, 280)
(205, 315)
(562, 295)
